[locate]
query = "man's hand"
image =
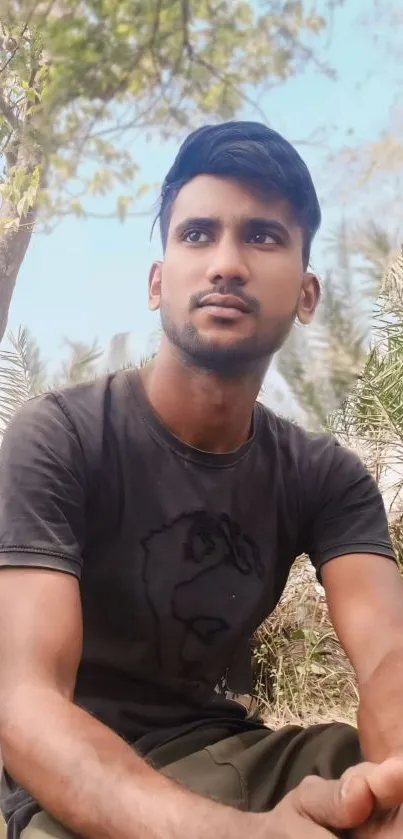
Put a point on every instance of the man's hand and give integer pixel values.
(385, 780)
(383, 826)
(317, 809)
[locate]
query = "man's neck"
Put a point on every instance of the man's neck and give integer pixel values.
(202, 409)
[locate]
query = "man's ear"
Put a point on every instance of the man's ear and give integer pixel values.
(309, 298)
(154, 286)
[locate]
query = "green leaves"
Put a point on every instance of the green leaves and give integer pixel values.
(20, 194)
(70, 72)
(371, 418)
(376, 406)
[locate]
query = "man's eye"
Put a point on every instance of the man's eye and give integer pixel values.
(196, 237)
(263, 237)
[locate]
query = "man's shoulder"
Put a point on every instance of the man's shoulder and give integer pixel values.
(78, 411)
(286, 432)
(90, 395)
(86, 400)
(310, 452)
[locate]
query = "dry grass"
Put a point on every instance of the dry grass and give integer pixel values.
(301, 672)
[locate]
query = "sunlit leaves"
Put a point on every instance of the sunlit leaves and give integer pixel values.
(76, 71)
(21, 189)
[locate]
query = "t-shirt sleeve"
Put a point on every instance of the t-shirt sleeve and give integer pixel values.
(347, 512)
(42, 490)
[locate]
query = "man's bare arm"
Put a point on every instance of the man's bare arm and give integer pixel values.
(365, 597)
(79, 771)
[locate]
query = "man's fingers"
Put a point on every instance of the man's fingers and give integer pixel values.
(384, 779)
(333, 803)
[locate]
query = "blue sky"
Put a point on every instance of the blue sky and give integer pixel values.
(88, 279)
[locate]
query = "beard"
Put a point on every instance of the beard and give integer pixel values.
(228, 361)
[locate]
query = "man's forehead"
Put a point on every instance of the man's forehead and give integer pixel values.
(227, 199)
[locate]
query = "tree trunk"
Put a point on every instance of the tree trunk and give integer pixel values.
(13, 247)
(16, 230)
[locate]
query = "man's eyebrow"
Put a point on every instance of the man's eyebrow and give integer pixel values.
(197, 221)
(272, 223)
(213, 222)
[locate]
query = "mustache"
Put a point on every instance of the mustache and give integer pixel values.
(253, 305)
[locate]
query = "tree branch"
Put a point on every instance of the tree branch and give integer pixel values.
(16, 48)
(9, 114)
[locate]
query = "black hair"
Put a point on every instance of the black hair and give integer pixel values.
(253, 154)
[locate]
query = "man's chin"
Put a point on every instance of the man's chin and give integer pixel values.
(219, 351)
(227, 359)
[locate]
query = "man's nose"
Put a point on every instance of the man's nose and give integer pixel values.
(228, 265)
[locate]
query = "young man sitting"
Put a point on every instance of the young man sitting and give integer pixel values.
(148, 523)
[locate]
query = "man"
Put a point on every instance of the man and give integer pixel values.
(148, 522)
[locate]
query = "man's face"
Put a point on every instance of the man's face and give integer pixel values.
(232, 281)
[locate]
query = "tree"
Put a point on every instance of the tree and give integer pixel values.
(371, 417)
(320, 365)
(77, 75)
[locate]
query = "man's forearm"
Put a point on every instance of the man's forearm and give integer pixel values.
(380, 709)
(94, 783)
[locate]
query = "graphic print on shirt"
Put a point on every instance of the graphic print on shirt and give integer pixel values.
(202, 578)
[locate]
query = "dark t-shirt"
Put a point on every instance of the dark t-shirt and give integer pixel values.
(180, 553)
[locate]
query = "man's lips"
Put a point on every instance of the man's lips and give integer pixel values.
(225, 305)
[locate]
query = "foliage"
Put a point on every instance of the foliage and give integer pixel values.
(320, 365)
(302, 675)
(372, 415)
(21, 375)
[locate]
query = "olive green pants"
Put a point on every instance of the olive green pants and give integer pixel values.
(251, 771)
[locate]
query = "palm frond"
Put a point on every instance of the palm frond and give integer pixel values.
(81, 364)
(372, 415)
(321, 365)
(377, 247)
(392, 286)
(22, 375)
